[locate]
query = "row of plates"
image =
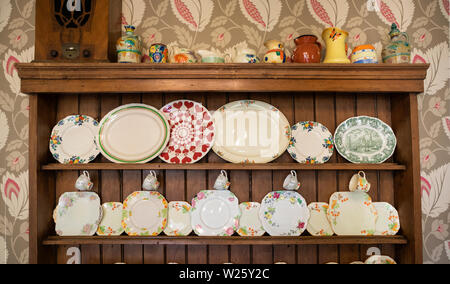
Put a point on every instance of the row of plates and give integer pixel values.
(245, 131)
(218, 213)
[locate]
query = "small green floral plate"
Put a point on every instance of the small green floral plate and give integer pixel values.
(111, 224)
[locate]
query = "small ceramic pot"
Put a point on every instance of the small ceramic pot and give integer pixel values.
(151, 182)
(182, 55)
(83, 182)
(158, 53)
(364, 54)
(275, 53)
(358, 182)
(129, 47)
(222, 182)
(335, 40)
(291, 182)
(308, 50)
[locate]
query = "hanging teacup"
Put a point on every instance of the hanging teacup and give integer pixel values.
(151, 182)
(291, 182)
(83, 182)
(359, 182)
(222, 182)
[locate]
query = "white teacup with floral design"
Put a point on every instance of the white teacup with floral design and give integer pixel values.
(83, 182)
(359, 182)
(151, 183)
(291, 182)
(222, 182)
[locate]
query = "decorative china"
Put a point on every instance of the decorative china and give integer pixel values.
(210, 56)
(83, 182)
(215, 213)
(250, 131)
(111, 224)
(380, 259)
(73, 140)
(192, 132)
(388, 222)
(275, 53)
(249, 222)
(318, 224)
(144, 213)
(399, 49)
(222, 182)
(158, 53)
(364, 54)
(151, 182)
(129, 47)
(365, 139)
(291, 182)
(243, 54)
(181, 55)
(77, 214)
(308, 50)
(358, 182)
(311, 143)
(133, 133)
(336, 46)
(179, 219)
(284, 213)
(352, 213)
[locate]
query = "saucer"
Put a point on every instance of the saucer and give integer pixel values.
(111, 224)
(249, 223)
(318, 224)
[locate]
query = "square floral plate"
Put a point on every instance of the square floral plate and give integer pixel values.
(284, 213)
(77, 214)
(179, 219)
(111, 224)
(388, 221)
(249, 223)
(318, 224)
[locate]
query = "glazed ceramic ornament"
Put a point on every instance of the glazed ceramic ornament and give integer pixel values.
(335, 40)
(242, 54)
(275, 53)
(158, 53)
(222, 182)
(308, 50)
(291, 182)
(209, 56)
(364, 54)
(399, 49)
(83, 182)
(111, 224)
(181, 55)
(151, 182)
(358, 182)
(129, 47)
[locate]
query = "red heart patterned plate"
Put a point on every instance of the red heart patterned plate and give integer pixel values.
(192, 132)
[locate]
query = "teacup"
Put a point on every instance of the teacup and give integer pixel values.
(291, 182)
(359, 182)
(83, 182)
(222, 182)
(151, 182)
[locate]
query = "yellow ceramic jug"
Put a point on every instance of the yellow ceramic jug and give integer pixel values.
(335, 40)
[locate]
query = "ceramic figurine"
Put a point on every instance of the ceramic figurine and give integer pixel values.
(308, 50)
(210, 56)
(181, 55)
(129, 47)
(364, 54)
(158, 53)
(398, 50)
(275, 53)
(335, 40)
(243, 55)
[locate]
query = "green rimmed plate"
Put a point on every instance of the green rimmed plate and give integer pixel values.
(365, 140)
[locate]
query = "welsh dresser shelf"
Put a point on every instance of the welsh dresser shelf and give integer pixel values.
(327, 93)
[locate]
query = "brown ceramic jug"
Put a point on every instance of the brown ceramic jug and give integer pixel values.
(308, 49)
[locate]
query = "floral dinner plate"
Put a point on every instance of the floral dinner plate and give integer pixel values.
(388, 221)
(284, 213)
(249, 223)
(73, 140)
(318, 224)
(179, 219)
(111, 224)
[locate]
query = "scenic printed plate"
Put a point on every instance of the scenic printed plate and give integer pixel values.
(249, 223)
(250, 131)
(73, 140)
(365, 139)
(318, 224)
(284, 213)
(179, 219)
(388, 221)
(311, 143)
(111, 224)
(133, 133)
(191, 134)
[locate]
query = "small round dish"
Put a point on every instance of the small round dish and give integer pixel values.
(179, 219)
(111, 224)
(318, 224)
(144, 213)
(388, 221)
(73, 140)
(249, 223)
(311, 143)
(215, 213)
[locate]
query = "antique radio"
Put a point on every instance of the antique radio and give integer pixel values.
(77, 30)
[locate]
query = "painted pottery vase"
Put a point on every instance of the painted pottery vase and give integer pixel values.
(308, 49)
(275, 53)
(335, 40)
(158, 53)
(399, 49)
(364, 54)
(129, 47)
(181, 55)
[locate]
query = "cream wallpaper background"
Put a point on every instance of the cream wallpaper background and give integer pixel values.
(222, 24)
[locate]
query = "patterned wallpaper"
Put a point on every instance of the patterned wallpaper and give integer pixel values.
(220, 25)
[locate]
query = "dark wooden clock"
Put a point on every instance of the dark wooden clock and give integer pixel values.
(77, 30)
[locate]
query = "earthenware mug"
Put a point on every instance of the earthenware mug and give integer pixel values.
(358, 182)
(151, 182)
(291, 182)
(83, 182)
(222, 182)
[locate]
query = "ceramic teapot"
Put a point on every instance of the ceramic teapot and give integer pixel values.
(243, 55)
(398, 50)
(335, 40)
(275, 53)
(208, 56)
(181, 55)
(308, 49)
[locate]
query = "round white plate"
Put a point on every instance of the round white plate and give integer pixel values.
(352, 213)
(144, 213)
(250, 132)
(311, 143)
(77, 214)
(284, 213)
(215, 213)
(179, 219)
(73, 140)
(111, 224)
(388, 221)
(318, 224)
(249, 223)
(133, 133)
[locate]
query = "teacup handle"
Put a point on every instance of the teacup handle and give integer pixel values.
(86, 173)
(362, 174)
(224, 173)
(228, 58)
(294, 173)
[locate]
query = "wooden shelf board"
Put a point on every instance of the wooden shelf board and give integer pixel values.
(224, 166)
(233, 240)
